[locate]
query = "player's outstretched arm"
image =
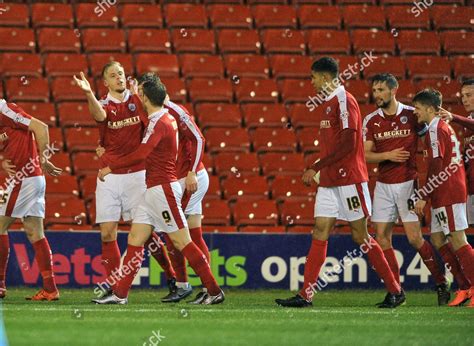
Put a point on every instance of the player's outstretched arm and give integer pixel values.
(41, 133)
(396, 155)
(95, 108)
(448, 116)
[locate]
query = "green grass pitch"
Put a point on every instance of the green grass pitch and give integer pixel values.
(246, 318)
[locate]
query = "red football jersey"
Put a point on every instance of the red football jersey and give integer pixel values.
(122, 130)
(17, 142)
(469, 150)
(448, 188)
(391, 132)
(341, 111)
(191, 140)
(159, 149)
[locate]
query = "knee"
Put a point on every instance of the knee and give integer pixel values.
(33, 235)
(416, 241)
(359, 238)
(384, 241)
(320, 234)
(108, 233)
(437, 242)
(180, 244)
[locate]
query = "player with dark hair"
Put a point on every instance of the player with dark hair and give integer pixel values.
(445, 185)
(391, 140)
(343, 191)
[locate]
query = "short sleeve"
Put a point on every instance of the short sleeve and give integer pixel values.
(14, 116)
(367, 130)
(349, 113)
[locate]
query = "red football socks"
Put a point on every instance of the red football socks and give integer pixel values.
(44, 258)
(466, 259)
(428, 256)
(111, 261)
(196, 236)
(177, 260)
(449, 257)
(131, 265)
(157, 250)
(314, 262)
(380, 264)
(392, 263)
(4, 254)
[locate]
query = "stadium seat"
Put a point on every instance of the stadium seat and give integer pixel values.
(141, 16)
(302, 116)
(42, 111)
(52, 14)
(20, 64)
(63, 161)
(88, 185)
(297, 212)
(230, 16)
(415, 42)
(165, 65)
(360, 89)
(299, 229)
(450, 89)
(214, 191)
(215, 212)
(27, 89)
(274, 16)
(276, 164)
(290, 66)
(82, 139)
(62, 186)
(56, 138)
(85, 163)
(245, 188)
(17, 40)
(75, 114)
(354, 2)
(463, 67)
(218, 115)
(246, 66)
(458, 42)
(65, 89)
(296, 90)
(176, 89)
(406, 91)
(185, 15)
(271, 140)
(347, 63)
(428, 67)
(69, 228)
(208, 162)
(401, 17)
(373, 40)
(187, 40)
(384, 64)
(91, 15)
(452, 17)
(283, 41)
(14, 15)
(328, 41)
(238, 41)
(210, 90)
(219, 229)
(98, 60)
(103, 40)
(255, 213)
(363, 16)
(201, 66)
(264, 115)
(237, 164)
(258, 90)
(263, 229)
(285, 187)
(65, 64)
(226, 140)
(59, 40)
(311, 16)
(65, 210)
(149, 40)
(367, 109)
(308, 139)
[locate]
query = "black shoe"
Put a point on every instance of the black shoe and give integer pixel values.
(178, 294)
(393, 300)
(294, 302)
(199, 298)
(443, 293)
(384, 300)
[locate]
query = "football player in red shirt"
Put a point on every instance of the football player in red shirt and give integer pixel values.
(22, 194)
(391, 140)
(343, 192)
(445, 185)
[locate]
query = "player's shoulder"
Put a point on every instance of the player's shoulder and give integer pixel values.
(370, 118)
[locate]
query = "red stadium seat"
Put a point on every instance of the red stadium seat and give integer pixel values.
(104, 40)
(367, 109)
(141, 16)
(463, 66)
(59, 40)
(176, 89)
(218, 115)
(188, 40)
(63, 186)
(384, 64)
(247, 66)
(65, 89)
(347, 63)
(165, 65)
(290, 66)
(263, 229)
(14, 15)
(82, 139)
(291, 188)
(93, 15)
(63, 161)
(308, 139)
(98, 60)
(255, 213)
(75, 114)
(428, 67)
(262, 90)
(20, 64)
(237, 164)
(360, 89)
(214, 191)
(406, 91)
(185, 15)
(401, 17)
(88, 185)
(373, 40)
(208, 162)
(65, 64)
(299, 229)
(230, 16)
(276, 164)
(452, 17)
(56, 138)
(201, 66)
(296, 90)
(283, 41)
(52, 15)
(149, 40)
(302, 116)
(271, 140)
(27, 89)
(319, 17)
(42, 111)
(245, 188)
(458, 42)
(349, 2)
(17, 40)
(65, 210)
(219, 229)
(297, 212)
(238, 41)
(274, 16)
(227, 140)
(210, 90)
(85, 163)
(257, 2)
(414, 42)
(215, 212)
(450, 89)
(264, 115)
(328, 41)
(363, 16)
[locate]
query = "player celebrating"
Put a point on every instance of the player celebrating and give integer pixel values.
(22, 195)
(446, 183)
(160, 207)
(343, 192)
(391, 140)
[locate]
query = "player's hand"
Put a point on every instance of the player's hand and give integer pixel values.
(444, 114)
(51, 169)
(191, 182)
(83, 83)
(133, 85)
(103, 172)
(100, 151)
(8, 167)
(398, 155)
(308, 176)
(419, 206)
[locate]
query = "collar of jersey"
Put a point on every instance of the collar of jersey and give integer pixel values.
(339, 89)
(114, 100)
(157, 115)
(397, 113)
(433, 122)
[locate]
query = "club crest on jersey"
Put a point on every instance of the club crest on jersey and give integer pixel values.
(132, 107)
(404, 119)
(328, 110)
